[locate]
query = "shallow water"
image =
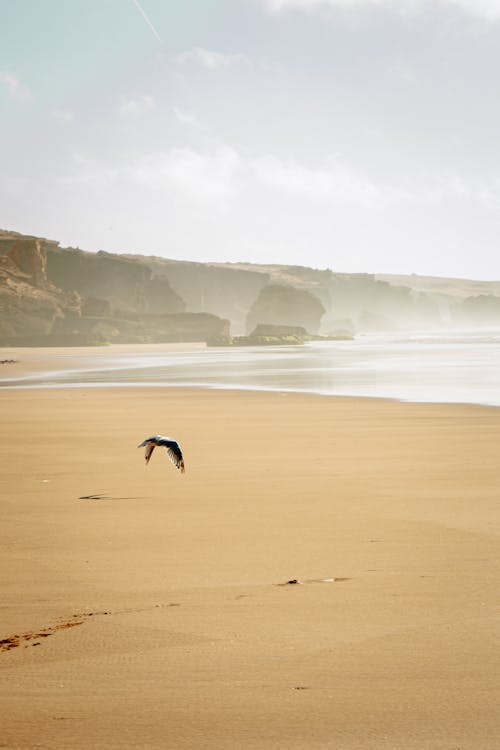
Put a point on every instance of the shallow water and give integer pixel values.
(451, 367)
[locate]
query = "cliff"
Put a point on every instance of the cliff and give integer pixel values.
(29, 303)
(54, 295)
(64, 296)
(125, 284)
(281, 305)
(224, 290)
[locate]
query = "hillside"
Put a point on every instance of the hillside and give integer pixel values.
(54, 295)
(438, 285)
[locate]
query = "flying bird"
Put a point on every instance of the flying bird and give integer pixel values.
(173, 449)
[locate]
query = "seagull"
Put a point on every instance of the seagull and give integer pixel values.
(172, 446)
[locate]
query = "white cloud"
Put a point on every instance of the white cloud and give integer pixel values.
(335, 182)
(89, 172)
(211, 59)
(138, 106)
(485, 9)
(220, 177)
(62, 115)
(15, 89)
(339, 184)
(276, 6)
(458, 188)
(187, 118)
(201, 176)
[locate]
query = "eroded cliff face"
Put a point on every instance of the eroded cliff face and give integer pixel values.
(282, 305)
(482, 311)
(218, 289)
(374, 305)
(129, 286)
(29, 303)
(55, 296)
(28, 254)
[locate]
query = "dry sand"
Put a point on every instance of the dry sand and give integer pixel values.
(150, 615)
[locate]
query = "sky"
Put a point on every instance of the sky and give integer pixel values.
(356, 135)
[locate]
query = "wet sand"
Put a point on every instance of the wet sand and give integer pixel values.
(19, 362)
(141, 607)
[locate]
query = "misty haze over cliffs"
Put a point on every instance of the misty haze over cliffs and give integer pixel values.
(51, 294)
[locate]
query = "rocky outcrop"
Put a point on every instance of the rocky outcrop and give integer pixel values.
(482, 310)
(29, 303)
(28, 254)
(187, 326)
(273, 335)
(50, 294)
(223, 290)
(282, 305)
(96, 307)
(273, 330)
(375, 305)
(129, 286)
(55, 296)
(143, 328)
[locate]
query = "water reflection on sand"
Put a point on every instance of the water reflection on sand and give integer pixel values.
(457, 367)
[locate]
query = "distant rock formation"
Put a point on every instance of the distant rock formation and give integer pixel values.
(225, 290)
(273, 330)
(282, 305)
(54, 295)
(126, 284)
(136, 329)
(375, 305)
(273, 335)
(481, 310)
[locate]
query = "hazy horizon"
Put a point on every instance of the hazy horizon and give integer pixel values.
(356, 135)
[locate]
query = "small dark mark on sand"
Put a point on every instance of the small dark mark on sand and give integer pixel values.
(298, 582)
(107, 497)
(13, 641)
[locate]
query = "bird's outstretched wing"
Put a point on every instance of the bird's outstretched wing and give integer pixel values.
(175, 454)
(150, 444)
(149, 451)
(172, 447)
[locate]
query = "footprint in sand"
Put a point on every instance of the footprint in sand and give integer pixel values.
(298, 582)
(13, 641)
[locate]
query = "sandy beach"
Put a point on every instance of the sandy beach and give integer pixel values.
(142, 608)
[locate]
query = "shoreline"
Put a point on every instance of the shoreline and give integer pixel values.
(36, 359)
(174, 366)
